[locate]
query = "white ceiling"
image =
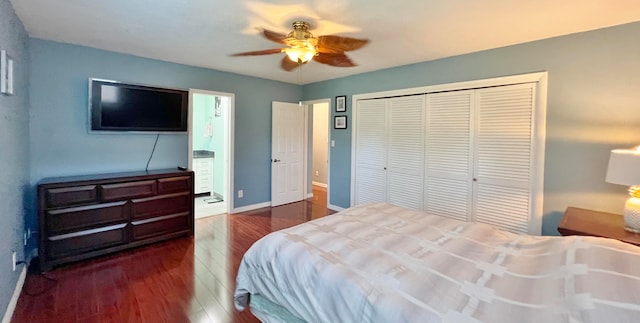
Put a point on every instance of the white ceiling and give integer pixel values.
(204, 32)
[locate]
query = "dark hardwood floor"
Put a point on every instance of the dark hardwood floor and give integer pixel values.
(182, 280)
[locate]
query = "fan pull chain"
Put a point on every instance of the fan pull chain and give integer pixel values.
(299, 80)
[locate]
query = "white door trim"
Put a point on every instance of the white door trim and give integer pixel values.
(496, 81)
(229, 166)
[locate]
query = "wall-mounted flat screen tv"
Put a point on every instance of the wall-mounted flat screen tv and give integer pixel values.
(122, 107)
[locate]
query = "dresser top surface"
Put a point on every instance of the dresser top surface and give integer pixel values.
(107, 176)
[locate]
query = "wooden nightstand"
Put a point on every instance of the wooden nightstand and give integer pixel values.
(585, 222)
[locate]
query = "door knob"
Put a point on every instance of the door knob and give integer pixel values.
(275, 160)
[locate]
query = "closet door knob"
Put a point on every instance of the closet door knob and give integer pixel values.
(275, 160)
(475, 179)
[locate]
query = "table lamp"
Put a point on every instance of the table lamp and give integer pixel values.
(624, 169)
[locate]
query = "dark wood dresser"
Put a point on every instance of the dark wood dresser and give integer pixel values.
(86, 216)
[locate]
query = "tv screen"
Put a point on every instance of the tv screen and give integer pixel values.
(115, 106)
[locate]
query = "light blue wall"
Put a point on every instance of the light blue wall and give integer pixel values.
(61, 145)
(593, 106)
(204, 112)
(14, 151)
(217, 145)
(203, 106)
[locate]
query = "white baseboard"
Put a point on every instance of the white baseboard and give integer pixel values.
(319, 184)
(267, 204)
(335, 207)
(250, 207)
(16, 294)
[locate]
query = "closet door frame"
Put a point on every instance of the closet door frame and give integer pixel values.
(539, 128)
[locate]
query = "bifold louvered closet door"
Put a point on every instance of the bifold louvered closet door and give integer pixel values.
(449, 163)
(503, 156)
(479, 155)
(371, 152)
(464, 154)
(389, 151)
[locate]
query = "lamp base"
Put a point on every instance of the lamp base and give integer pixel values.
(632, 215)
(632, 230)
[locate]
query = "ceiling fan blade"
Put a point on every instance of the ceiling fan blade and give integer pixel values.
(288, 65)
(274, 36)
(337, 44)
(260, 52)
(339, 60)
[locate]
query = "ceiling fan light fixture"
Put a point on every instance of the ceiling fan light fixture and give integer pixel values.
(301, 54)
(300, 31)
(301, 46)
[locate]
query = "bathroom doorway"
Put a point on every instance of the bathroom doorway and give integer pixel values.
(211, 117)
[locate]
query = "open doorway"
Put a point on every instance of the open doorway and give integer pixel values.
(211, 117)
(319, 154)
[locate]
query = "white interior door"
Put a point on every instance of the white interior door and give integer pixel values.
(287, 153)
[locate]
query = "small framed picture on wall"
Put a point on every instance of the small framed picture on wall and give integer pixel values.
(341, 103)
(340, 122)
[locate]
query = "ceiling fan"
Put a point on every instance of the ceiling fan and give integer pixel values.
(302, 47)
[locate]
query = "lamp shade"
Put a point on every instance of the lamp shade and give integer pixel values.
(624, 167)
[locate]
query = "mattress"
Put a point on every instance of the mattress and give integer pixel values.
(383, 263)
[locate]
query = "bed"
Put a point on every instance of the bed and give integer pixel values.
(384, 263)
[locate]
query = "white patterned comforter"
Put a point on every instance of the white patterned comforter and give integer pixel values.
(382, 263)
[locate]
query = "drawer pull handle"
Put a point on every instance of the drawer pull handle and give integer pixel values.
(159, 218)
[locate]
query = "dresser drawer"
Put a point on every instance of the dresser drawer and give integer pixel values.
(174, 184)
(64, 196)
(161, 205)
(82, 217)
(119, 191)
(148, 228)
(76, 243)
